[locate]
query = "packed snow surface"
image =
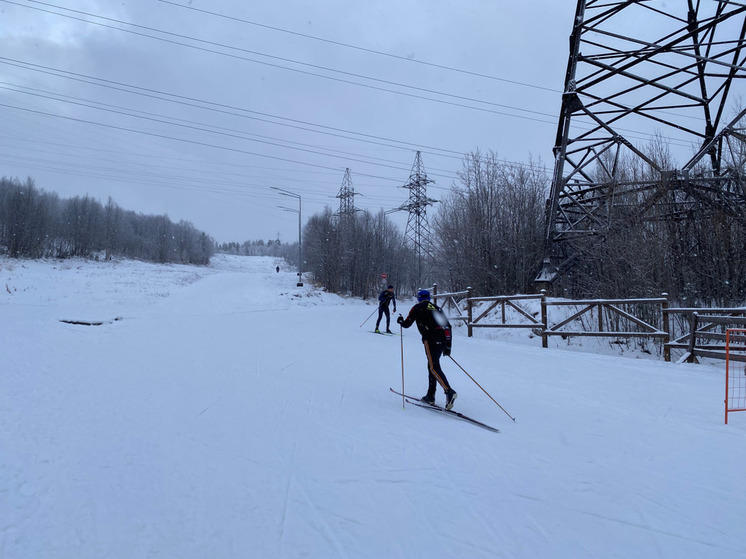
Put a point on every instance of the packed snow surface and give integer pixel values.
(228, 413)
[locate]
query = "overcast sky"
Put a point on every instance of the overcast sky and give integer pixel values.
(242, 126)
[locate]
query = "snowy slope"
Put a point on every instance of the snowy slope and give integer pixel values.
(231, 414)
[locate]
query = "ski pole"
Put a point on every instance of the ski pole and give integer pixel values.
(483, 390)
(401, 339)
(367, 319)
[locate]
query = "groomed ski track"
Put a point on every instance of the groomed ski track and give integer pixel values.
(230, 414)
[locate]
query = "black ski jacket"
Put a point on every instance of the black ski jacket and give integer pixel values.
(385, 298)
(431, 322)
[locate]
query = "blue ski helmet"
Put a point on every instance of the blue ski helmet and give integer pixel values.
(423, 295)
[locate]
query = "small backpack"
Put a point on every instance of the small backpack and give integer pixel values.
(438, 324)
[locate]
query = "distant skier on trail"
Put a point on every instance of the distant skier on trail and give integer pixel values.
(436, 337)
(384, 299)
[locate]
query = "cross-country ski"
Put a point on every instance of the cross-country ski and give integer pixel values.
(418, 402)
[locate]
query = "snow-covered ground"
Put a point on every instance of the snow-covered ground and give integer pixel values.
(230, 414)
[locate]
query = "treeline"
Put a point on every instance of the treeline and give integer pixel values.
(489, 230)
(36, 224)
(697, 257)
(349, 255)
(261, 248)
(488, 234)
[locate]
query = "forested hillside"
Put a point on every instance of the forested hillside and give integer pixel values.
(36, 224)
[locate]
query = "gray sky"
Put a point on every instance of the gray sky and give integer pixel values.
(226, 191)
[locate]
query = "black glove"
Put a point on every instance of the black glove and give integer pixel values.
(400, 320)
(394, 309)
(447, 351)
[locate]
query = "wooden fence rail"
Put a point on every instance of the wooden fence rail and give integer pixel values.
(641, 318)
(609, 308)
(682, 333)
(453, 302)
(701, 329)
(505, 302)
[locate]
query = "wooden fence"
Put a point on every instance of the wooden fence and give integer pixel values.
(704, 342)
(642, 318)
(608, 317)
(454, 304)
(684, 321)
(505, 302)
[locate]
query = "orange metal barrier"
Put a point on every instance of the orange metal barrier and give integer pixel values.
(735, 371)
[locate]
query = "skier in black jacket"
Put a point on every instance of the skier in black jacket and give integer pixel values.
(384, 299)
(436, 337)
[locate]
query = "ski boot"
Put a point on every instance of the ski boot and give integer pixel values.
(450, 398)
(428, 399)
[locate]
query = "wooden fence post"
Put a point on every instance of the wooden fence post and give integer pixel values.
(544, 325)
(693, 340)
(435, 293)
(468, 312)
(666, 328)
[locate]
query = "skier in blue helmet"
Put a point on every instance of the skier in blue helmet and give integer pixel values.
(436, 337)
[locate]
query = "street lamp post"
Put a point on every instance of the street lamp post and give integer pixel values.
(300, 245)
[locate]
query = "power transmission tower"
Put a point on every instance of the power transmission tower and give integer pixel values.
(673, 69)
(346, 197)
(417, 232)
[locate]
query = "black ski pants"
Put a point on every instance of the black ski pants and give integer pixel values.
(435, 373)
(381, 311)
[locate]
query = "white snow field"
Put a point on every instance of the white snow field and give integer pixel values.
(230, 414)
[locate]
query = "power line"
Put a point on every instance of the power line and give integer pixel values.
(106, 18)
(207, 124)
(146, 174)
(201, 162)
(153, 178)
(198, 126)
(51, 71)
(184, 140)
(146, 92)
(149, 174)
(178, 183)
(364, 49)
(280, 66)
(219, 107)
(242, 187)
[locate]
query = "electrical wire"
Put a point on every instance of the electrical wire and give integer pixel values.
(364, 49)
(203, 127)
(146, 92)
(11, 87)
(184, 140)
(146, 171)
(279, 66)
(127, 176)
(153, 93)
(90, 14)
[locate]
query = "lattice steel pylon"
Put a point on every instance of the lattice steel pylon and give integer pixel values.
(633, 64)
(417, 232)
(346, 197)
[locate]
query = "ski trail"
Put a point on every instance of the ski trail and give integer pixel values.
(323, 526)
(283, 517)
(238, 416)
